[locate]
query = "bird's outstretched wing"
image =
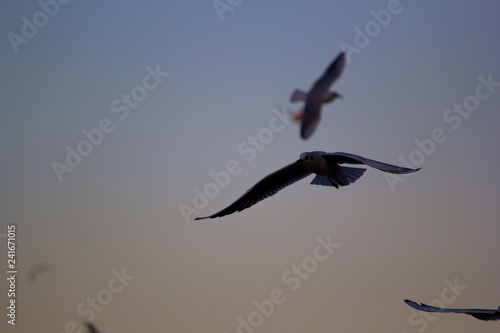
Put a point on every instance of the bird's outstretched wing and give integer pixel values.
(266, 187)
(345, 158)
(482, 314)
(332, 73)
(298, 96)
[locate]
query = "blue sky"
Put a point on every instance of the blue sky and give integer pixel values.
(181, 90)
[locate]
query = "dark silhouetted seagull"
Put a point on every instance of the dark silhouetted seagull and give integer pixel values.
(324, 165)
(91, 327)
(318, 95)
(482, 314)
(37, 270)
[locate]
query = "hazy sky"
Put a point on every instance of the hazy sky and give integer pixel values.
(115, 114)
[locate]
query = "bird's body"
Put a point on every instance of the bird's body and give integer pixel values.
(324, 169)
(328, 172)
(481, 314)
(317, 96)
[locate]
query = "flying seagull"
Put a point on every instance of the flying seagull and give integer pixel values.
(482, 314)
(318, 95)
(324, 165)
(37, 270)
(91, 327)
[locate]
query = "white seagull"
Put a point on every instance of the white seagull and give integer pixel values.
(482, 314)
(318, 95)
(324, 165)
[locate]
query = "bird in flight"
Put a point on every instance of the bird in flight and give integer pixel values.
(318, 95)
(482, 314)
(91, 327)
(37, 270)
(328, 172)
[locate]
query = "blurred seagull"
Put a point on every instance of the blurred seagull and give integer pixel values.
(324, 165)
(482, 314)
(91, 327)
(37, 270)
(318, 95)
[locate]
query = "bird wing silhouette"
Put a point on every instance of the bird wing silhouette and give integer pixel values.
(346, 158)
(332, 73)
(482, 314)
(266, 187)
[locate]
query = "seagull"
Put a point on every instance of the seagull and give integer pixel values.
(318, 95)
(37, 270)
(91, 327)
(482, 314)
(324, 165)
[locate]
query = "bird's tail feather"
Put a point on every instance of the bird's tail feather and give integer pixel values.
(324, 181)
(348, 176)
(296, 117)
(352, 174)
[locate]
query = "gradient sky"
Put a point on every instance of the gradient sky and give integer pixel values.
(119, 207)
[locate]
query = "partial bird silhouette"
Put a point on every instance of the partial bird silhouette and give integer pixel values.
(91, 327)
(482, 314)
(317, 96)
(324, 165)
(36, 270)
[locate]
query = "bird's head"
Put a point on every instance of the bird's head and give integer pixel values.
(311, 157)
(330, 97)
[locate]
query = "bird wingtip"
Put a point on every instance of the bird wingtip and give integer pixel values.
(202, 218)
(304, 134)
